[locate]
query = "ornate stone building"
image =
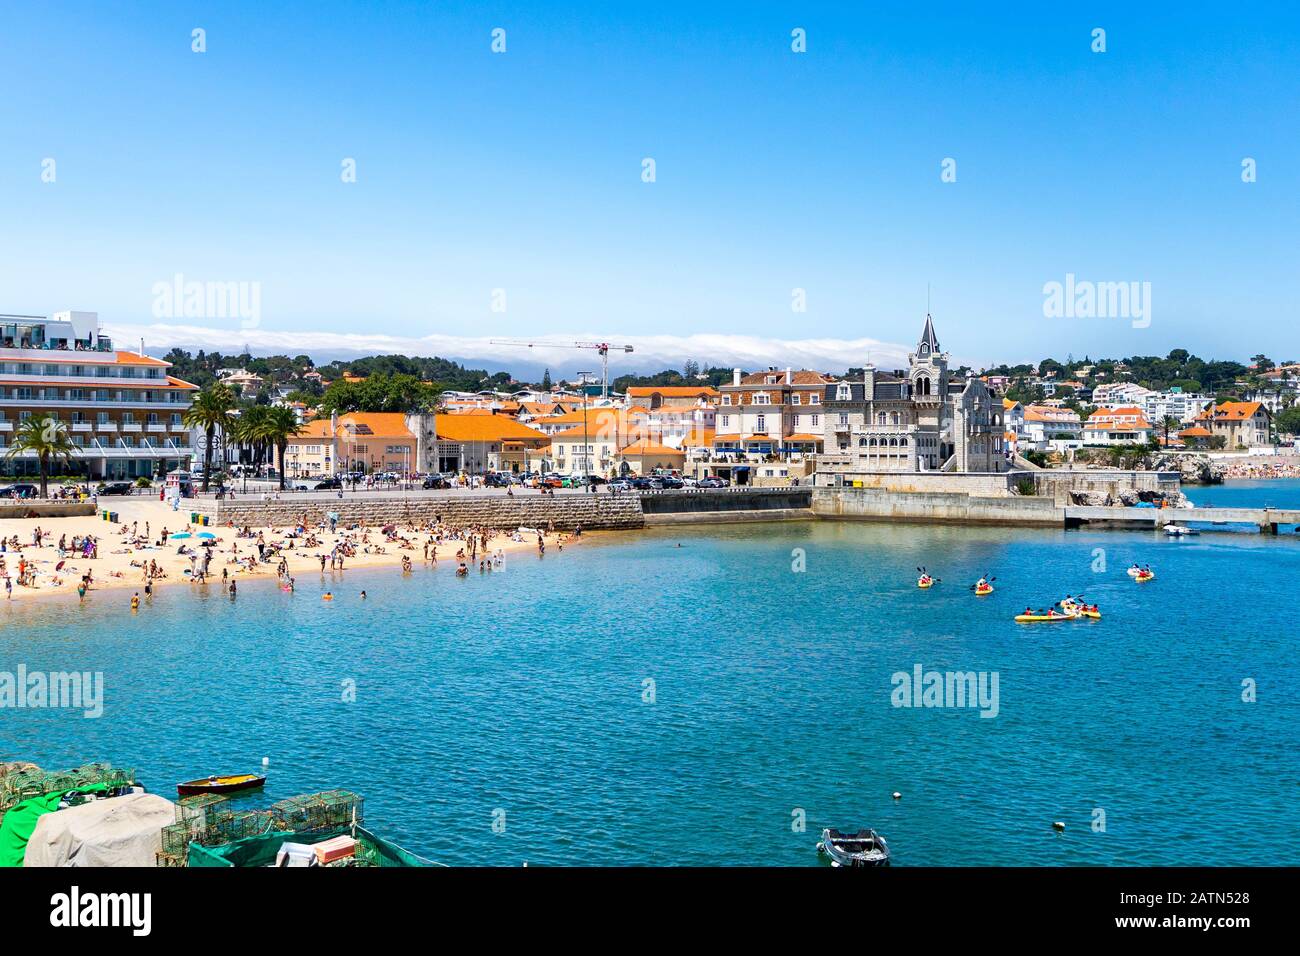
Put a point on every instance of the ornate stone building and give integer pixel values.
(920, 419)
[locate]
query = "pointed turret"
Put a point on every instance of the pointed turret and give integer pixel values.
(929, 341)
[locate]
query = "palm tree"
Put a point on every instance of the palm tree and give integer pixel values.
(1167, 423)
(48, 439)
(210, 411)
(249, 430)
(280, 424)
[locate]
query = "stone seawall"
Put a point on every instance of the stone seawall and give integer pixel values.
(987, 484)
(593, 512)
(1060, 484)
(38, 508)
(874, 504)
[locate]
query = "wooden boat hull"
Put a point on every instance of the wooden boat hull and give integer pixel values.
(866, 848)
(228, 784)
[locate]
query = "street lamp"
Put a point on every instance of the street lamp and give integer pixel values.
(586, 446)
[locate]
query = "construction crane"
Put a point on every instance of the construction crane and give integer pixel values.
(600, 347)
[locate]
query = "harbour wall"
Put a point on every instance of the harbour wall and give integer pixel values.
(726, 505)
(593, 512)
(876, 504)
(1057, 484)
(38, 508)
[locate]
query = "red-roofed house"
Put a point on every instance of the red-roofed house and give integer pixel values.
(1125, 425)
(1242, 424)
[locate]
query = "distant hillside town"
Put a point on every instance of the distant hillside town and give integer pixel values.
(126, 415)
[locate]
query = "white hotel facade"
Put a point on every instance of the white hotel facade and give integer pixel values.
(122, 410)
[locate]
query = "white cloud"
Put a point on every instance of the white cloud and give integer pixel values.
(651, 352)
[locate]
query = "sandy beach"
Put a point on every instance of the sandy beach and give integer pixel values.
(128, 550)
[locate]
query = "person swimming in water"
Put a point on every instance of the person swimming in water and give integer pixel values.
(363, 595)
(135, 601)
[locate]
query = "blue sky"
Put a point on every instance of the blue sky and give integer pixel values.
(775, 171)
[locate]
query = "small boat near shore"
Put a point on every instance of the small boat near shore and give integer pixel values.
(1179, 531)
(1050, 617)
(864, 848)
(231, 783)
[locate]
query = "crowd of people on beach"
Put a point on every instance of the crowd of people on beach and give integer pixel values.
(1257, 469)
(217, 555)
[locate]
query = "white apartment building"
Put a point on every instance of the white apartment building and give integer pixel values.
(1115, 394)
(123, 412)
(1050, 428)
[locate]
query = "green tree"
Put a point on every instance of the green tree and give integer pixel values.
(279, 425)
(210, 411)
(379, 393)
(1288, 421)
(1166, 424)
(46, 438)
(249, 429)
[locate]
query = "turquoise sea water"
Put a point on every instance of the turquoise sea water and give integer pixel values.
(1273, 493)
(524, 691)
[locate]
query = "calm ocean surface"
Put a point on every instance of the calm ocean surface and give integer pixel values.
(523, 691)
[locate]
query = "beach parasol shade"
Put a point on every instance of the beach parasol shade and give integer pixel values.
(206, 534)
(183, 534)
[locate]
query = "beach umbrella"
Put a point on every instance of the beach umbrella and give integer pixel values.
(183, 534)
(206, 534)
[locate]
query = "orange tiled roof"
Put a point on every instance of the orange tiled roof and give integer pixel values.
(490, 428)
(1196, 431)
(799, 377)
(647, 447)
(1046, 413)
(135, 358)
(379, 424)
(804, 437)
(698, 437)
(672, 391)
(316, 428)
(1231, 412)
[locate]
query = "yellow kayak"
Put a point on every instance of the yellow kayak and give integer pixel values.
(1143, 578)
(1077, 611)
(925, 584)
(984, 590)
(1042, 618)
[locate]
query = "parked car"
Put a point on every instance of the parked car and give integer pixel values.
(328, 484)
(434, 481)
(620, 484)
(494, 480)
(116, 488)
(21, 490)
(712, 482)
(668, 481)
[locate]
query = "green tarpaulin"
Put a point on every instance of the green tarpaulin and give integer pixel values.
(17, 826)
(261, 850)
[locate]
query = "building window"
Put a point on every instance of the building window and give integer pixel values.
(761, 424)
(843, 393)
(794, 398)
(816, 420)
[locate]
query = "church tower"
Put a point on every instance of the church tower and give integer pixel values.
(928, 368)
